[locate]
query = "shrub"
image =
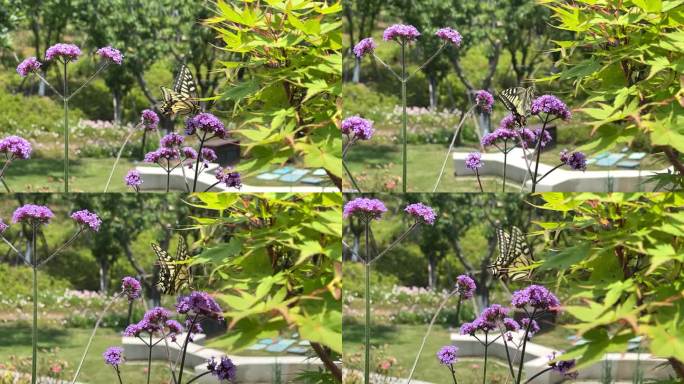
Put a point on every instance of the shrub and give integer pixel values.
(16, 281)
(27, 115)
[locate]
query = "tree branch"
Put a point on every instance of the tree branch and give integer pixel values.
(327, 361)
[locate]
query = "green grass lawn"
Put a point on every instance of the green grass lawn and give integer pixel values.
(87, 175)
(374, 164)
(16, 341)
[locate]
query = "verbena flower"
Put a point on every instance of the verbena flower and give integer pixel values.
(511, 325)
(550, 105)
(17, 147)
(494, 313)
(468, 328)
(33, 214)
(131, 288)
(175, 328)
(28, 66)
(228, 177)
(154, 321)
(206, 123)
(474, 161)
(113, 356)
(357, 127)
(447, 355)
(133, 330)
(450, 35)
(88, 219)
(364, 47)
(564, 367)
(68, 52)
(193, 328)
(369, 209)
(171, 140)
(112, 54)
(484, 101)
(133, 179)
(199, 303)
(162, 153)
(401, 32)
(534, 326)
(508, 122)
(500, 134)
(421, 213)
(223, 369)
(3, 226)
(149, 120)
(536, 296)
(208, 155)
(465, 286)
(575, 160)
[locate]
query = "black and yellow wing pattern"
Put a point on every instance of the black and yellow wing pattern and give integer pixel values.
(515, 256)
(174, 274)
(518, 101)
(182, 99)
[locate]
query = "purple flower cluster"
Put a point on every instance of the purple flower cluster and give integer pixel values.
(85, 218)
(357, 127)
(113, 356)
(171, 140)
(450, 35)
(447, 355)
(228, 177)
(208, 155)
(364, 47)
(575, 160)
(189, 153)
(511, 325)
(369, 209)
(207, 123)
(529, 137)
(149, 120)
(564, 367)
(112, 54)
(131, 288)
(536, 296)
(534, 326)
(474, 161)
(490, 319)
(69, 52)
(152, 322)
(465, 286)
(421, 212)
(16, 146)
(201, 304)
(401, 32)
(34, 214)
(550, 105)
(27, 66)
(494, 313)
(508, 122)
(223, 369)
(3, 226)
(500, 134)
(484, 101)
(133, 178)
(162, 153)
(175, 328)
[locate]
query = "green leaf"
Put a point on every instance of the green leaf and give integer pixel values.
(567, 257)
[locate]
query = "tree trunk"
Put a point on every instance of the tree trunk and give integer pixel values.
(432, 88)
(104, 274)
(329, 364)
(678, 367)
(116, 99)
(356, 75)
(432, 271)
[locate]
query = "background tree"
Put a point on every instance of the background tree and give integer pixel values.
(361, 17)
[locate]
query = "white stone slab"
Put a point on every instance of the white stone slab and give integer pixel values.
(560, 180)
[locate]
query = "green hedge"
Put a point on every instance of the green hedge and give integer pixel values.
(17, 280)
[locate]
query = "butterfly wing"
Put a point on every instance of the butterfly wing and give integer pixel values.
(514, 255)
(182, 99)
(518, 101)
(182, 274)
(174, 273)
(166, 270)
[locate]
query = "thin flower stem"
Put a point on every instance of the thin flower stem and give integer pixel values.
(168, 179)
(198, 376)
(347, 146)
(505, 152)
(429, 329)
(66, 129)
(522, 355)
(453, 373)
(34, 334)
(351, 178)
(388, 67)
(13, 248)
(144, 143)
(149, 360)
(172, 369)
(62, 247)
(185, 177)
(92, 335)
(538, 150)
(102, 67)
(4, 167)
(185, 348)
(478, 180)
(508, 355)
(428, 61)
(367, 265)
(457, 131)
(404, 119)
(394, 243)
(199, 155)
(49, 85)
(212, 186)
(547, 173)
(537, 375)
(4, 183)
(118, 156)
(486, 346)
(527, 161)
(118, 373)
